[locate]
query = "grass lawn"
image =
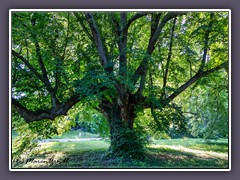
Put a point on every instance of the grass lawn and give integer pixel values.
(173, 153)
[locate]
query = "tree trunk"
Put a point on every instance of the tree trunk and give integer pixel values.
(125, 140)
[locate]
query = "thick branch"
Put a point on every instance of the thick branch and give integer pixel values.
(38, 51)
(169, 55)
(141, 87)
(101, 51)
(154, 22)
(30, 116)
(62, 108)
(206, 39)
(122, 44)
(135, 17)
(148, 103)
(194, 79)
(151, 45)
(97, 40)
(47, 83)
(39, 76)
(156, 34)
(81, 86)
(121, 34)
(116, 24)
(26, 62)
(80, 20)
(200, 72)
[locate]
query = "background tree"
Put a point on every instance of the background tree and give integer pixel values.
(120, 64)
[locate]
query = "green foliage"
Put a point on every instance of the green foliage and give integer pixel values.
(168, 123)
(30, 133)
(208, 108)
(88, 118)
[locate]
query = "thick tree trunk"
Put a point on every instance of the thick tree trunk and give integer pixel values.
(125, 141)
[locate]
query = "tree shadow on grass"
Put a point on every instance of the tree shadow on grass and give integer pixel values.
(160, 157)
(169, 158)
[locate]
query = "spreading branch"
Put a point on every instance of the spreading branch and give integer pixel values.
(102, 52)
(26, 62)
(169, 55)
(142, 68)
(161, 103)
(121, 33)
(97, 40)
(194, 79)
(206, 40)
(63, 107)
(85, 29)
(39, 76)
(122, 45)
(154, 22)
(30, 116)
(134, 18)
(200, 72)
(49, 87)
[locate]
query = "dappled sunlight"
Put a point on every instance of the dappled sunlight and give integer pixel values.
(74, 146)
(45, 145)
(195, 152)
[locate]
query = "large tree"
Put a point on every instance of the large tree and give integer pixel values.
(125, 61)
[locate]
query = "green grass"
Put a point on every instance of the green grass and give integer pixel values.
(73, 147)
(174, 153)
(184, 141)
(220, 145)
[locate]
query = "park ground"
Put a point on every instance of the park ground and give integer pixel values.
(186, 153)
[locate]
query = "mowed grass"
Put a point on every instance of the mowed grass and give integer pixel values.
(219, 145)
(173, 153)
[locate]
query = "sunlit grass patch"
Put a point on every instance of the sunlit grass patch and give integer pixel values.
(177, 157)
(198, 153)
(223, 148)
(220, 145)
(74, 146)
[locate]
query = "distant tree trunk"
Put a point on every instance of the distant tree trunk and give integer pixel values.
(125, 142)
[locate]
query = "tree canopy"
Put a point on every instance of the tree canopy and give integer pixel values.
(171, 67)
